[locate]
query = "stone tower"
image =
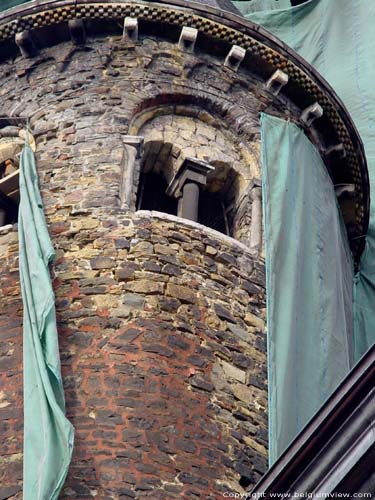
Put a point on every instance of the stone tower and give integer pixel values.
(145, 118)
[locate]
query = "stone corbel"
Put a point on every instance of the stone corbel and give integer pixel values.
(311, 113)
(130, 31)
(77, 31)
(235, 57)
(276, 82)
(188, 38)
(26, 44)
(133, 151)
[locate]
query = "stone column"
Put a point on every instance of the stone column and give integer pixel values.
(133, 150)
(256, 218)
(185, 186)
(190, 201)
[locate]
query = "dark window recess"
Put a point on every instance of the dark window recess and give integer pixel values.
(8, 210)
(9, 193)
(212, 212)
(151, 195)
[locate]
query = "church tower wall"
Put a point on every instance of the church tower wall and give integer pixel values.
(161, 319)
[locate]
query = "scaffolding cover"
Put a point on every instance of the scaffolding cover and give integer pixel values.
(309, 281)
(336, 37)
(48, 435)
(7, 4)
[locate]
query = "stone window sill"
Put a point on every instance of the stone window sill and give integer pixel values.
(195, 225)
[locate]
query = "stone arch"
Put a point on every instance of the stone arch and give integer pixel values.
(164, 155)
(217, 112)
(179, 126)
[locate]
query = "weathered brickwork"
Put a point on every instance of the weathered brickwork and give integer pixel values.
(11, 406)
(162, 342)
(161, 322)
(163, 355)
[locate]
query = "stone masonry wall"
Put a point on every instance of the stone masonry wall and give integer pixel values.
(161, 324)
(162, 342)
(11, 379)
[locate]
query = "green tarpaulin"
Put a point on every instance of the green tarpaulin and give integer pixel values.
(309, 281)
(336, 37)
(247, 8)
(48, 435)
(7, 4)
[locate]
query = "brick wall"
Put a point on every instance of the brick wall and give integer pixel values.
(161, 322)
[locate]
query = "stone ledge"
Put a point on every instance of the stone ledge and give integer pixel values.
(207, 230)
(8, 228)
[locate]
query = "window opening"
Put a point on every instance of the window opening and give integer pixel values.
(152, 194)
(197, 190)
(9, 192)
(212, 212)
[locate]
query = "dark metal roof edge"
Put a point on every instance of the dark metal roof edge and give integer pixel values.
(311, 441)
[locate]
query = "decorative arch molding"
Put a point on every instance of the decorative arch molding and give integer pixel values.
(204, 107)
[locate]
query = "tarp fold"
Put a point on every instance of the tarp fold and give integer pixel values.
(48, 435)
(309, 281)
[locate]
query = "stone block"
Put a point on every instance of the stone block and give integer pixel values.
(233, 372)
(253, 320)
(133, 300)
(164, 249)
(224, 313)
(145, 286)
(124, 274)
(181, 292)
(102, 263)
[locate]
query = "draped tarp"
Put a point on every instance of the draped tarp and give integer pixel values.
(309, 281)
(248, 7)
(48, 435)
(336, 37)
(7, 4)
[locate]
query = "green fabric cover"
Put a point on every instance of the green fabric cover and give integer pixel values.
(251, 6)
(48, 435)
(336, 37)
(309, 281)
(7, 4)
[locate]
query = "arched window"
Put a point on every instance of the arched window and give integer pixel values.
(193, 166)
(197, 191)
